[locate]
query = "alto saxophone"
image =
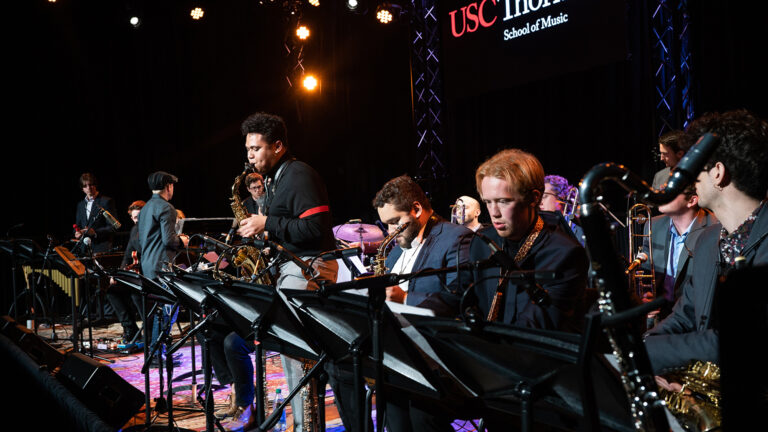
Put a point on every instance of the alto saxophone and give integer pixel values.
(248, 259)
(379, 262)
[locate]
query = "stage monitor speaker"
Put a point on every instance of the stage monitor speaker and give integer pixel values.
(40, 351)
(101, 389)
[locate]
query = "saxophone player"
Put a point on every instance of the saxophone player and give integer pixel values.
(297, 215)
(733, 184)
(427, 241)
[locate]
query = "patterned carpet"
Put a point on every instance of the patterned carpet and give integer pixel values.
(187, 412)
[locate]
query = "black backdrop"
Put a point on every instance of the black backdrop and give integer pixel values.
(90, 93)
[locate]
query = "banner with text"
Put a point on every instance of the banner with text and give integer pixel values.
(494, 44)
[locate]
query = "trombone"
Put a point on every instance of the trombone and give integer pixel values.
(638, 216)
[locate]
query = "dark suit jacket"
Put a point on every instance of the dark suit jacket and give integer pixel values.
(660, 243)
(102, 242)
(687, 334)
(444, 244)
(157, 236)
(553, 250)
(132, 245)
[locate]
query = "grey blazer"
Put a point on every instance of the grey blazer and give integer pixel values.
(660, 244)
(688, 334)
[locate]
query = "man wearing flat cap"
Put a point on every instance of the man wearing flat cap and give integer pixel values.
(157, 222)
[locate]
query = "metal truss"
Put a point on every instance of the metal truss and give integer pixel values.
(427, 93)
(672, 57)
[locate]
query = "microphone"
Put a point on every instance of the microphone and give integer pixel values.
(261, 244)
(498, 255)
(639, 259)
(111, 219)
(232, 230)
(87, 242)
(383, 228)
(340, 253)
(214, 242)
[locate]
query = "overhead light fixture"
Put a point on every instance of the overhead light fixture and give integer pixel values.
(302, 32)
(310, 83)
(197, 13)
(314, 3)
(385, 13)
(135, 21)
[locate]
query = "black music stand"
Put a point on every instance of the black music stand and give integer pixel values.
(345, 326)
(536, 376)
(149, 290)
(189, 290)
(20, 251)
(258, 312)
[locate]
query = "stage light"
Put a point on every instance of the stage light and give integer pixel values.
(314, 3)
(310, 82)
(197, 13)
(135, 21)
(302, 32)
(352, 4)
(51, 1)
(384, 13)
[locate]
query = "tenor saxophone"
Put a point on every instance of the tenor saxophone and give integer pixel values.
(248, 259)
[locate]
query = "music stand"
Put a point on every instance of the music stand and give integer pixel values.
(149, 290)
(258, 312)
(20, 250)
(342, 324)
(189, 290)
(532, 375)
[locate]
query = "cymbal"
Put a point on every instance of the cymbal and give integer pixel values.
(352, 232)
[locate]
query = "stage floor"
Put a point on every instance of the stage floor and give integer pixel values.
(187, 412)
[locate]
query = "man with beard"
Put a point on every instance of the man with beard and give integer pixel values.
(427, 242)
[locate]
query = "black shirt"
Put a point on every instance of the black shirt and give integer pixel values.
(298, 212)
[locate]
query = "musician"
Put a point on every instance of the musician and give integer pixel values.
(673, 236)
(733, 185)
(88, 217)
(428, 242)
(254, 182)
(297, 217)
(511, 184)
(671, 150)
(156, 226)
(554, 198)
(469, 209)
(121, 297)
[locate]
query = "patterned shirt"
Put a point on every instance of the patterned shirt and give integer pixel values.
(732, 244)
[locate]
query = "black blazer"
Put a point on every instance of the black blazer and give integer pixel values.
(102, 242)
(553, 250)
